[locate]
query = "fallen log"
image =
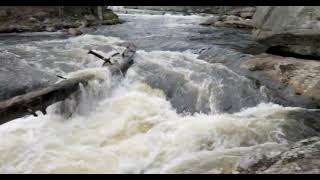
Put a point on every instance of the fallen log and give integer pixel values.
(127, 60)
(39, 100)
(106, 60)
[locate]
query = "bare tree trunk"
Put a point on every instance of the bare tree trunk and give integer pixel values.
(31, 102)
(60, 11)
(100, 13)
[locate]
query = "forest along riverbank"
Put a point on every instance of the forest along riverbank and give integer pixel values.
(70, 19)
(172, 113)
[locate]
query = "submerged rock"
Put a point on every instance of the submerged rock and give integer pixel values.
(195, 86)
(294, 29)
(74, 31)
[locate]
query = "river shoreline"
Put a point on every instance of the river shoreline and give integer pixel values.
(46, 19)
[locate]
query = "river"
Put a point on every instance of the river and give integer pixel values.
(171, 113)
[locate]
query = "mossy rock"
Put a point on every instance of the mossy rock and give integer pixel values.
(111, 22)
(110, 18)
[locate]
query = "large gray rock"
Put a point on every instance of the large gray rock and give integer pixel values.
(17, 77)
(211, 21)
(230, 21)
(242, 10)
(74, 31)
(293, 29)
(295, 81)
(301, 158)
(246, 14)
(245, 24)
(290, 81)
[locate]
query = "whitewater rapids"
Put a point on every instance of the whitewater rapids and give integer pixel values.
(136, 130)
(138, 124)
(132, 128)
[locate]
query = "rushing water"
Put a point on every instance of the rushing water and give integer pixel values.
(172, 113)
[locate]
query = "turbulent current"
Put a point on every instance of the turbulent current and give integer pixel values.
(171, 113)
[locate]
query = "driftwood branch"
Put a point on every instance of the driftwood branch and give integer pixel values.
(106, 60)
(39, 100)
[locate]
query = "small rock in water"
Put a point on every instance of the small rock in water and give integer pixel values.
(32, 19)
(218, 24)
(232, 18)
(51, 29)
(246, 14)
(211, 21)
(74, 31)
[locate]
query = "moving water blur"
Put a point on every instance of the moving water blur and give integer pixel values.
(172, 113)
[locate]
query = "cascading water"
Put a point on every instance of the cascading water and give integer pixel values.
(171, 113)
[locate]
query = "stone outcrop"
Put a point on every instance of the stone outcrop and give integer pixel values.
(74, 32)
(236, 18)
(52, 18)
(195, 9)
(291, 81)
(296, 81)
(18, 77)
(244, 12)
(243, 24)
(289, 29)
(229, 21)
(302, 157)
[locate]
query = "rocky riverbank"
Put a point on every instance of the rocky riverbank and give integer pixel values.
(291, 81)
(289, 30)
(50, 19)
(290, 68)
(300, 158)
(291, 33)
(236, 18)
(191, 9)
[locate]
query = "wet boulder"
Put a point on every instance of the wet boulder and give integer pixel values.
(302, 157)
(245, 24)
(290, 81)
(295, 82)
(243, 10)
(290, 29)
(211, 21)
(230, 21)
(51, 29)
(74, 31)
(247, 14)
(194, 86)
(232, 18)
(17, 77)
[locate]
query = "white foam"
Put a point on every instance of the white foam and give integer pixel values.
(133, 130)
